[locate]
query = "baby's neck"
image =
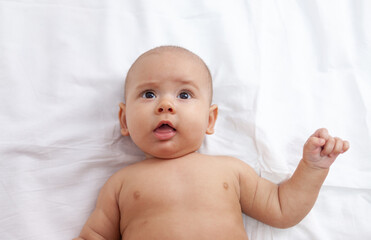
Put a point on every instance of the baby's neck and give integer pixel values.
(150, 157)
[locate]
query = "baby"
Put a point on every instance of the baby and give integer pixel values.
(177, 193)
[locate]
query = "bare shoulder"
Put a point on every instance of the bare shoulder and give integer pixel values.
(244, 173)
(236, 164)
(112, 186)
(116, 181)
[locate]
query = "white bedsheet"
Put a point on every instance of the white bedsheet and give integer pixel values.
(281, 69)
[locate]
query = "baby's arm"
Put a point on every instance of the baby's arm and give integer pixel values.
(287, 204)
(104, 222)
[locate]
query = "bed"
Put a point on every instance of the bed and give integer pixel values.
(281, 69)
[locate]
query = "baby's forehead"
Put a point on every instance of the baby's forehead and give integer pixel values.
(163, 51)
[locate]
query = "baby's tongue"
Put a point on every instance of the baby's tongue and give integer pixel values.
(164, 132)
(164, 129)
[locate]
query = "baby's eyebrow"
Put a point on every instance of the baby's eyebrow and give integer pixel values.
(187, 82)
(155, 84)
(147, 85)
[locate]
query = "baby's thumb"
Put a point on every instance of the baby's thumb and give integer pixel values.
(314, 142)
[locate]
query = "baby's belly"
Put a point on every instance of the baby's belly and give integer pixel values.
(179, 225)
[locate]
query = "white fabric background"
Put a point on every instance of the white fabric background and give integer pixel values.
(281, 69)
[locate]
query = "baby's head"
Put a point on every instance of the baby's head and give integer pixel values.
(167, 110)
(179, 51)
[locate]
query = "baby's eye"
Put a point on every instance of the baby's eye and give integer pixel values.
(184, 95)
(148, 94)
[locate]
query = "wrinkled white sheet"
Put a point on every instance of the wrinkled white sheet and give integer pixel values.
(281, 70)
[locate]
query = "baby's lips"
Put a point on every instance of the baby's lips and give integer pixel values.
(164, 132)
(165, 122)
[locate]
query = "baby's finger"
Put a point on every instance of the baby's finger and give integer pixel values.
(338, 148)
(329, 146)
(345, 146)
(323, 133)
(314, 143)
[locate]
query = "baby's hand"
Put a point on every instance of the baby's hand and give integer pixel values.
(321, 150)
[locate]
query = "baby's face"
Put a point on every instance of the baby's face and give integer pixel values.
(167, 110)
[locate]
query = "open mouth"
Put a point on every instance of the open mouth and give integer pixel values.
(165, 127)
(164, 131)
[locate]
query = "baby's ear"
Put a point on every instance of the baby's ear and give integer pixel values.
(213, 115)
(122, 118)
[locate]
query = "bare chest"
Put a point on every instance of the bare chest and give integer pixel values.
(186, 199)
(167, 188)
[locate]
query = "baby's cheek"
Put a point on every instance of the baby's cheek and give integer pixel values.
(137, 130)
(196, 132)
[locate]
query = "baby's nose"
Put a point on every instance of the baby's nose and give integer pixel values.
(161, 109)
(166, 107)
